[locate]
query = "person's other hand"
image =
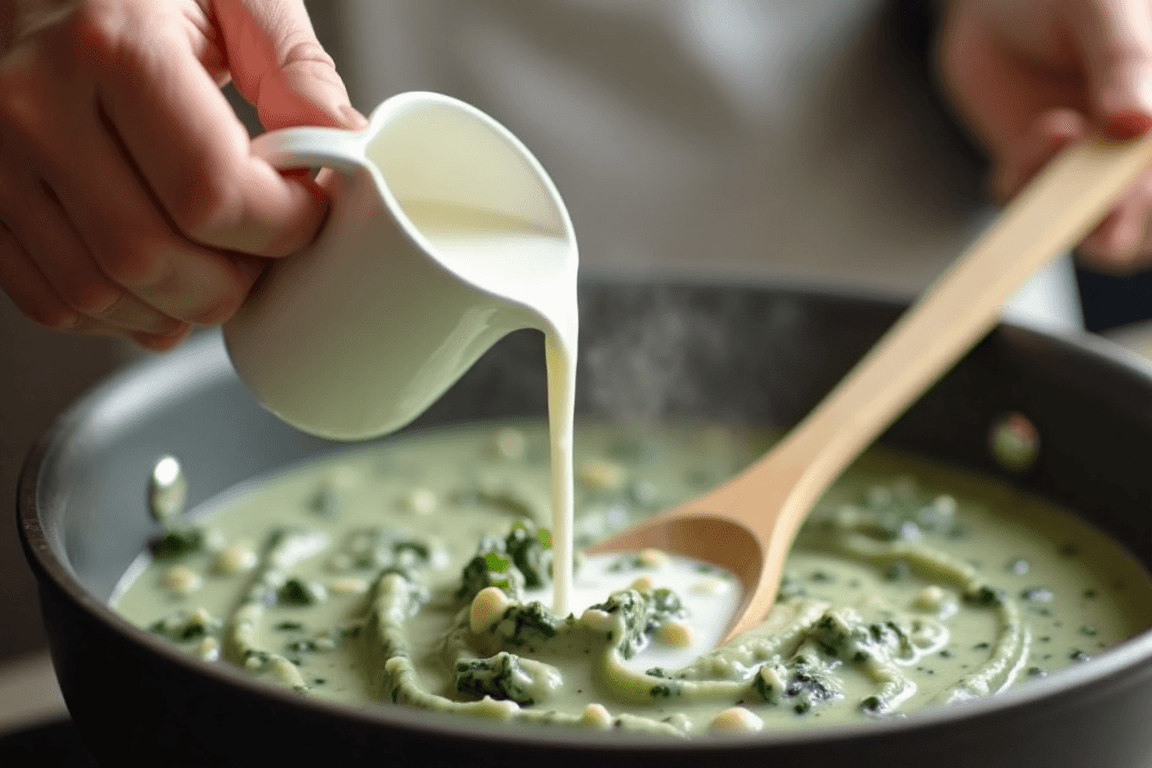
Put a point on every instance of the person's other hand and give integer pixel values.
(1031, 76)
(129, 202)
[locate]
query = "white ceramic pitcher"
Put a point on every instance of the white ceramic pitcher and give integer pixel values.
(444, 234)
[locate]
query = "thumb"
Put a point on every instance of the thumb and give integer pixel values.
(278, 64)
(1115, 40)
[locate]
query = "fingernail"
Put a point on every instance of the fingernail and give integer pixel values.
(1129, 124)
(160, 342)
(150, 342)
(1131, 112)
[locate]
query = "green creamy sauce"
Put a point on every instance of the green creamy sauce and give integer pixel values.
(352, 579)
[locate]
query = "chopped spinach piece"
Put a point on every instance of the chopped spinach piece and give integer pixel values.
(501, 677)
(184, 627)
(377, 548)
(299, 592)
(417, 548)
(300, 646)
(790, 587)
(1037, 595)
(260, 658)
(496, 562)
(897, 571)
(178, 541)
(325, 501)
(984, 596)
(529, 554)
(519, 560)
(643, 612)
(803, 682)
(523, 624)
(474, 578)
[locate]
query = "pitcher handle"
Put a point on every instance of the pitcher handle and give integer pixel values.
(312, 147)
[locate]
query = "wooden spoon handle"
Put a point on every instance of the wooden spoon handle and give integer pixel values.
(1053, 213)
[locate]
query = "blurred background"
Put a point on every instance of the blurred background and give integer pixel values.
(745, 139)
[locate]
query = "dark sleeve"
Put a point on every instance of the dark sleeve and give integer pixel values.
(914, 24)
(912, 28)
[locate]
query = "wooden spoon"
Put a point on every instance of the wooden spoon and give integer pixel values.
(747, 524)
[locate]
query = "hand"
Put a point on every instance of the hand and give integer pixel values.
(129, 202)
(1031, 76)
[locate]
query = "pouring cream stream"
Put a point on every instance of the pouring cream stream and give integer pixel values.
(486, 248)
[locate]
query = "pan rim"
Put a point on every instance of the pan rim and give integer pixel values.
(201, 361)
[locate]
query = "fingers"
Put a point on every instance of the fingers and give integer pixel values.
(140, 210)
(1115, 42)
(1026, 93)
(28, 289)
(1121, 243)
(1051, 132)
(85, 221)
(999, 91)
(202, 174)
(37, 300)
(132, 244)
(62, 258)
(278, 64)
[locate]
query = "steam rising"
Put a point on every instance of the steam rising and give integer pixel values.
(693, 353)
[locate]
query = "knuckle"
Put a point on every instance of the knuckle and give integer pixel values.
(206, 209)
(306, 50)
(95, 32)
(22, 106)
(133, 265)
(95, 299)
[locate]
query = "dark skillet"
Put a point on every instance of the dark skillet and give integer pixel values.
(748, 354)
